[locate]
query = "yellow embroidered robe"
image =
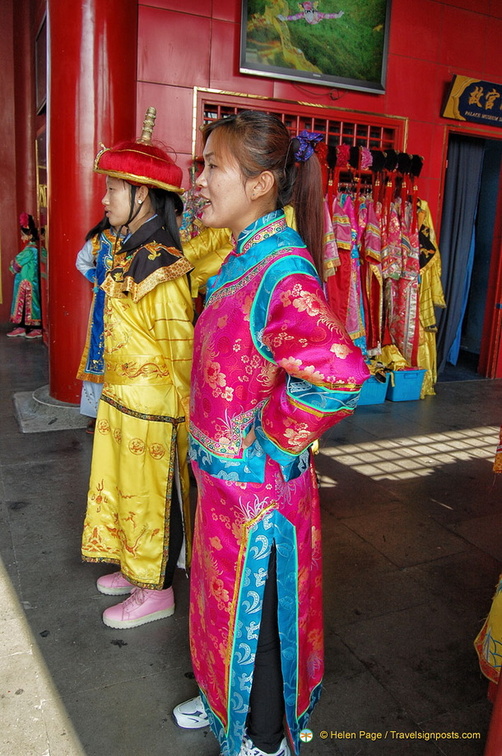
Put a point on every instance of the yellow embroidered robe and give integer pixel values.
(141, 439)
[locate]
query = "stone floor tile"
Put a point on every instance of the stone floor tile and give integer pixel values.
(406, 537)
(423, 657)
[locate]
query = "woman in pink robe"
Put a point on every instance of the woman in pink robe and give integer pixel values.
(273, 369)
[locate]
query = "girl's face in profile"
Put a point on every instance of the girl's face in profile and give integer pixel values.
(117, 201)
(228, 196)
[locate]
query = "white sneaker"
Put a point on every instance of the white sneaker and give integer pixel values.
(191, 714)
(248, 749)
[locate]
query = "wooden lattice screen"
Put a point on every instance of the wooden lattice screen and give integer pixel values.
(338, 126)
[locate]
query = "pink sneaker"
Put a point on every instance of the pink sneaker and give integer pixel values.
(114, 584)
(143, 605)
(16, 332)
(36, 333)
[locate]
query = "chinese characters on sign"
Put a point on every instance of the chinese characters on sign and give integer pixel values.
(474, 100)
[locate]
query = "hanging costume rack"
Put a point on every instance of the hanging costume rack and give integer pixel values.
(381, 270)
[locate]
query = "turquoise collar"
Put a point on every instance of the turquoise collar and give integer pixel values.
(254, 244)
(258, 229)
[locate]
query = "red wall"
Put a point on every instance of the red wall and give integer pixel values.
(430, 41)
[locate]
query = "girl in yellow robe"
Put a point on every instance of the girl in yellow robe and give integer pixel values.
(138, 506)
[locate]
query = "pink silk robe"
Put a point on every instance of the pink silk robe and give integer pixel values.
(268, 355)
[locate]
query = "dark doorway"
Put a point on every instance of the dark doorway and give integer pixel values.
(470, 201)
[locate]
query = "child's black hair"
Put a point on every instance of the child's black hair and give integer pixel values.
(30, 229)
(98, 228)
(168, 206)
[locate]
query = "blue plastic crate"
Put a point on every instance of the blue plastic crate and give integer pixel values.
(406, 385)
(373, 391)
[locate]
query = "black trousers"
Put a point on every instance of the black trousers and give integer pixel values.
(266, 704)
(175, 537)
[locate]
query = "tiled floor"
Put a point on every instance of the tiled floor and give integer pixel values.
(412, 518)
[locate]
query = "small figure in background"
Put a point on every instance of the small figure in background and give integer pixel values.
(25, 312)
(94, 261)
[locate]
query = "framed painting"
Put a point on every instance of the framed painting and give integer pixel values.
(334, 43)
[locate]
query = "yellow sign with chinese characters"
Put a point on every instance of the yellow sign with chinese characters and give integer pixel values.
(474, 100)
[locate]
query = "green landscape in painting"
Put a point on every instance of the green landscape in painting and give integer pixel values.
(349, 47)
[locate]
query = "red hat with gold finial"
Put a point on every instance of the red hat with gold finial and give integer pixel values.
(140, 162)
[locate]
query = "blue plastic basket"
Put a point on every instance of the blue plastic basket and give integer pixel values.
(373, 391)
(407, 385)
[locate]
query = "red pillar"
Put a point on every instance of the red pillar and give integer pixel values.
(490, 359)
(24, 82)
(91, 99)
(9, 229)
